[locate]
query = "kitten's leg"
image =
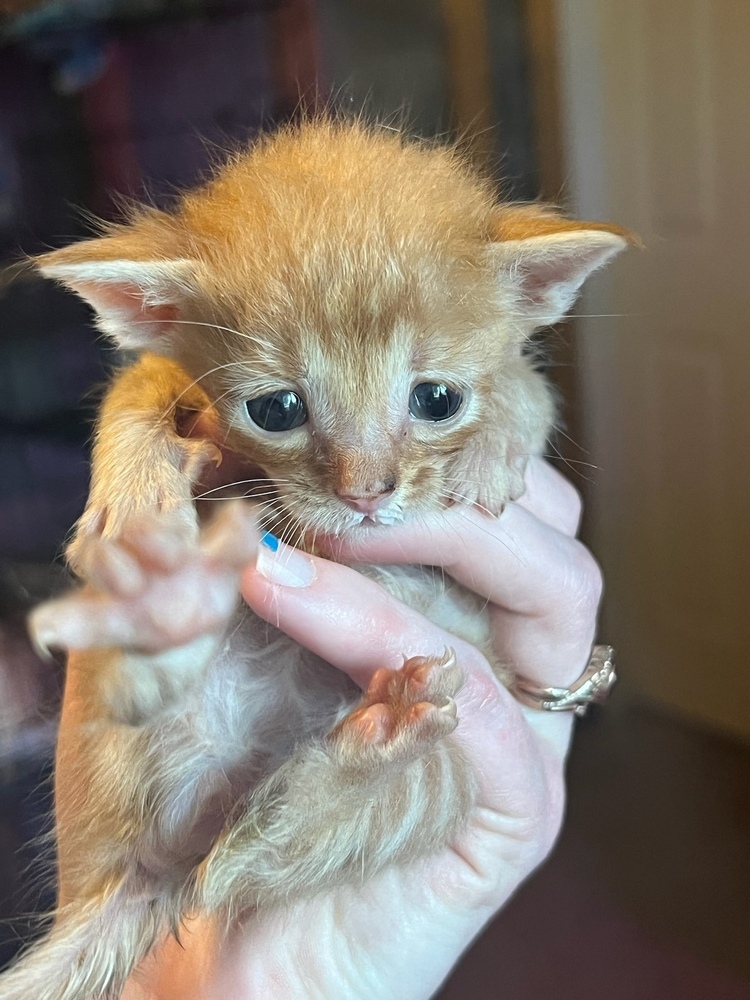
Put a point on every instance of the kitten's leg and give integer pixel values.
(133, 790)
(140, 461)
(135, 744)
(125, 815)
(387, 785)
(138, 777)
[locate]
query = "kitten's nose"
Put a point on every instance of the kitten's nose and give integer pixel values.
(367, 501)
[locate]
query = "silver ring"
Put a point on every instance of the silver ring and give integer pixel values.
(592, 687)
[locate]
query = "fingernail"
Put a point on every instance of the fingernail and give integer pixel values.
(283, 564)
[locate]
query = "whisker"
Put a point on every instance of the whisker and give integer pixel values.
(574, 461)
(218, 399)
(603, 315)
(242, 482)
(474, 524)
(470, 503)
(568, 462)
(230, 425)
(288, 529)
(214, 326)
(461, 539)
(274, 513)
(211, 371)
(492, 499)
(559, 430)
(244, 496)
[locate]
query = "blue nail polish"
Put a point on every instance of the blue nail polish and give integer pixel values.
(270, 541)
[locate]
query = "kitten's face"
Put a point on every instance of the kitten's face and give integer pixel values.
(374, 405)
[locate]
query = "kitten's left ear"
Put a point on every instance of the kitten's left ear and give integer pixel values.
(543, 259)
(136, 300)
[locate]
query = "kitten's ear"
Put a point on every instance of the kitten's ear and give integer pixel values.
(543, 259)
(136, 300)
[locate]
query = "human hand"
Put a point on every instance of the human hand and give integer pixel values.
(399, 935)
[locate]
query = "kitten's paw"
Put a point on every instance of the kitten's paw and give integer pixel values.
(402, 711)
(153, 589)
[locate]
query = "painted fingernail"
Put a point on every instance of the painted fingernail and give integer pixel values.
(283, 564)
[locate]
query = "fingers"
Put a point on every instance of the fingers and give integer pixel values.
(352, 623)
(542, 584)
(551, 497)
(337, 613)
(518, 560)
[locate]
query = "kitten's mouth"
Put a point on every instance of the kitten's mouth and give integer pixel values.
(326, 541)
(380, 517)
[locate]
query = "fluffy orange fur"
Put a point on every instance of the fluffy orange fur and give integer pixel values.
(346, 264)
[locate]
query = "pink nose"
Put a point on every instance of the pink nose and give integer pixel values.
(368, 503)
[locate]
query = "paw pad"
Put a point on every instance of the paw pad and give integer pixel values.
(403, 710)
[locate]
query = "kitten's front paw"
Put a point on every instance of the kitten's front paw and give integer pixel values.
(153, 589)
(402, 711)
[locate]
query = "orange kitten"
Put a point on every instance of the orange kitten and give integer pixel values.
(349, 311)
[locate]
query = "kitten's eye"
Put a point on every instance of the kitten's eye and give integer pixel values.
(278, 411)
(433, 401)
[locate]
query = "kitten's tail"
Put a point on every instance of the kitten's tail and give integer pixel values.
(90, 951)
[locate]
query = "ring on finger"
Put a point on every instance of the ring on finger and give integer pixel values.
(592, 687)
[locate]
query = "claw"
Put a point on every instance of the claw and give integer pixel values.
(41, 644)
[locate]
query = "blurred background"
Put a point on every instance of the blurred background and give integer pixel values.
(630, 112)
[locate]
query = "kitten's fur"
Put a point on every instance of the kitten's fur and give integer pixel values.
(347, 263)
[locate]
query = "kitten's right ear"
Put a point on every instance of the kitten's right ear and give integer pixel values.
(136, 301)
